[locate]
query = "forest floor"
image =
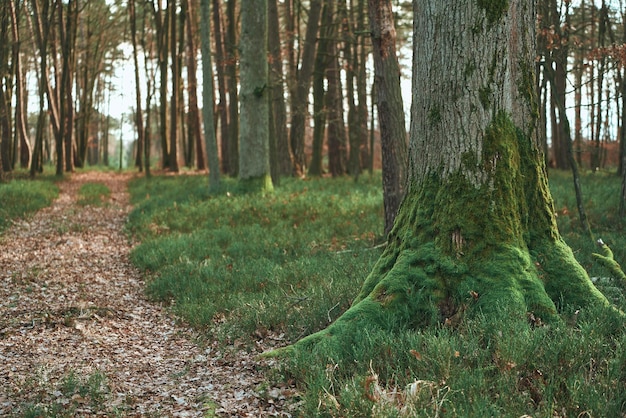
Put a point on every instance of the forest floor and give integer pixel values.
(79, 337)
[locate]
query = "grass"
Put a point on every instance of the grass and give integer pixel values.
(242, 267)
(93, 194)
(288, 262)
(70, 396)
(20, 198)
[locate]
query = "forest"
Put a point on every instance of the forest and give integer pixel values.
(313, 207)
(59, 61)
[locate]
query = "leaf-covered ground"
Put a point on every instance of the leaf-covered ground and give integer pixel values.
(79, 337)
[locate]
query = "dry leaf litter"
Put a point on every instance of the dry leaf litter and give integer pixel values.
(72, 306)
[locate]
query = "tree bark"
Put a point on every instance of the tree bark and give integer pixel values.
(207, 97)
(476, 231)
(193, 114)
(322, 58)
(20, 92)
(254, 158)
(299, 99)
(138, 103)
(222, 108)
(233, 95)
(390, 107)
(174, 101)
(282, 162)
(6, 147)
(334, 103)
(163, 44)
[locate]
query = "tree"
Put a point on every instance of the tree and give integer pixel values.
(476, 230)
(254, 153)
(207, 96)
(222, 109)
(6, 80)
(390, 107)
(138, 109)
(176, 76)
(299, 95)
(194, 112)
(278, 120)
(233, 95)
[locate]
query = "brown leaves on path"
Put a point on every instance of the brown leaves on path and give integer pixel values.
(78, 336)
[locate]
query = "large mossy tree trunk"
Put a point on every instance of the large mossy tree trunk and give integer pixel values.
(476, 230)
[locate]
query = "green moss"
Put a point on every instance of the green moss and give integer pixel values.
(470, 69)
(484, 95)
(526, 89)
(434, 116)
(257, 184)
(494, 9)
(460, 249)
(469, 160)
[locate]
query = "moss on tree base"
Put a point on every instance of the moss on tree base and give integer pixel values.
(461, 248)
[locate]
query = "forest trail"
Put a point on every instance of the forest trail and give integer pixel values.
(77, 334)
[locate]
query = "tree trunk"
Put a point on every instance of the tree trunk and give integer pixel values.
(193, 111)
(222, 109)
(254, 157)
(174, 58)
(390, 107)
(138, 103)
(233, 95)
(334, 103)
(283, 162)
(476, 231)
(207, 96)
(163, 44)
(322, 58)
(21, 97)
(299, 99)
(6, 148)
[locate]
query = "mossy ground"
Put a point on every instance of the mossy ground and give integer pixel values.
(21, 197)
(291, 261)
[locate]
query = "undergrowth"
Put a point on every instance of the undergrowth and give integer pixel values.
(242, 267)
(243, 264)
(94, 194)
(20, 198)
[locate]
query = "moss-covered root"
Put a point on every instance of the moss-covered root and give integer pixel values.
(565, 280)
(607, 260)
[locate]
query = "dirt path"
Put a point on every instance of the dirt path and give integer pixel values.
(78, 337)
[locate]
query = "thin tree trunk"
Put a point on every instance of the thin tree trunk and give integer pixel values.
(222, 108)
(6, 147)
(282, 162)
(20, 92)
(173, 122)
(193, 112)
(207, 96)
(322, 58)
(299, 100)
(390, 107)
(161, 20)
(334, 103)
(567, 140)
(233, 95)
(138, 109)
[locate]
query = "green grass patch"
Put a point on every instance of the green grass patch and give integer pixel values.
(241, 263)
(240, 266)
(20, 198)
(93, 194)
